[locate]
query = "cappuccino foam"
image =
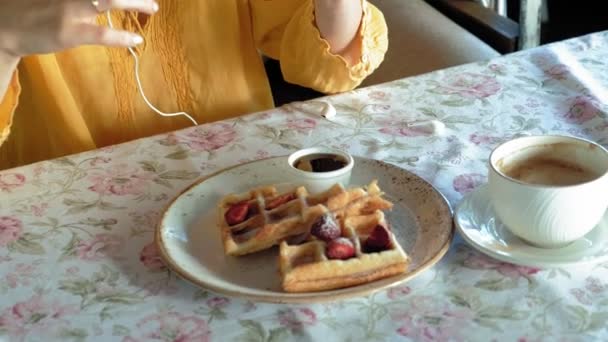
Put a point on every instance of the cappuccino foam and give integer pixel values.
(543, 170)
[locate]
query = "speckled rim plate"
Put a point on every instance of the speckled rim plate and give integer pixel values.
(189, 240)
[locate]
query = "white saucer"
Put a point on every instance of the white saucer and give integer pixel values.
(475, 220)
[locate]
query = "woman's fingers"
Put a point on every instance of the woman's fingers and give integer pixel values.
(145, 6)
(90, 34)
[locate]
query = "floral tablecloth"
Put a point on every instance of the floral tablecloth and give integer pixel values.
(77, 263)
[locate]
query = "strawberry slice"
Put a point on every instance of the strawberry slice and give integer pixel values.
(340, 248)
(378, 240)
(237, 213)
(325, 228)
(279, 200)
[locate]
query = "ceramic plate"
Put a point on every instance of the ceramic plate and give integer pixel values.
(190, 244)
(477, 224)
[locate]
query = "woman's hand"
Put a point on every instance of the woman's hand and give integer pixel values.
(44, 26)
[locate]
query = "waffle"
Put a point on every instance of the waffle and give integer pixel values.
(272, 217)
(307, 268)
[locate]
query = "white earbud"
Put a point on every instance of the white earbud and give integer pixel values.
(429, 126)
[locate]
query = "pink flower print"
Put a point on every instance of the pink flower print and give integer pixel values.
(481, 262)
(120, 180)
(472, 86)
(582, 296)
(516, 272)
(208, 138)
(11, 181)
(594, 285)
(558, 72)
(35, 316)
(379, 95)
(582, 109)
(482, 139)
(468, 182)
(439, 325)
(301, 125)
(171, 326)
(398, 292)
(218, 302)
(10, 230)
(296, 319)
(22, 274)
(150, 257)
(497, 68)
(39, 210)
(588, 295)
(405, 131)
(101, 246)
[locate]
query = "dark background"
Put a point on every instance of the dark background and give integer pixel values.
(568, 18)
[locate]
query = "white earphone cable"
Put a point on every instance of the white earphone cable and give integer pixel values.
(140, 87)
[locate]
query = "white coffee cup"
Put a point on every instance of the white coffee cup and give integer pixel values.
(549, 190)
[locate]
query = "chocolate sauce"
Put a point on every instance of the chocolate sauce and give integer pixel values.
(320, 163)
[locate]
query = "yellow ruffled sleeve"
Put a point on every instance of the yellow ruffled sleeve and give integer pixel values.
(8, 104)
(305, 56)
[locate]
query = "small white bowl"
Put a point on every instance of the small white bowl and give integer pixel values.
(320, 181)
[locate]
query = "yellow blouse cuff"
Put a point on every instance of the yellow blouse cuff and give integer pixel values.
(8, 105)
(306, 58)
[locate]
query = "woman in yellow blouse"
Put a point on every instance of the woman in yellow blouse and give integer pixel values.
(67, 83)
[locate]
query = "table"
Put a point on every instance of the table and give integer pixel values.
(77, 263)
